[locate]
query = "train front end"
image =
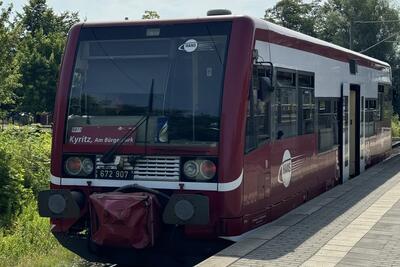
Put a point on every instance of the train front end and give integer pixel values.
(146, 153)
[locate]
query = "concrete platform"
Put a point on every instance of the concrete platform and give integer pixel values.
(354, 224)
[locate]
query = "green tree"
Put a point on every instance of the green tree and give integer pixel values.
(37, 16)
(39, 54)
(9, 75)
(39, 57)
(150, 14)
(294, 14)
(339, 20)
(331, 25)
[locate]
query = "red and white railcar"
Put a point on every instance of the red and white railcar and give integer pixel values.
(206, 127)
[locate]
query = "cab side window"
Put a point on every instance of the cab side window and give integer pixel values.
(258, 128)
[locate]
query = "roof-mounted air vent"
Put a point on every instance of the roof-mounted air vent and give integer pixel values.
(218, 12)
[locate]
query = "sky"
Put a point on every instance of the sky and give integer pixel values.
(95, 10)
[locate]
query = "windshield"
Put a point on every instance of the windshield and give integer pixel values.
(117, 68)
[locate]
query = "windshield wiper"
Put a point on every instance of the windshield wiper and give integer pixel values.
(108, 157)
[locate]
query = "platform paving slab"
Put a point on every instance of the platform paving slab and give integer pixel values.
(354, 224)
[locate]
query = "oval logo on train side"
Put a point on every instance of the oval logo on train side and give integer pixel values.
(189, 46)
(285, 170)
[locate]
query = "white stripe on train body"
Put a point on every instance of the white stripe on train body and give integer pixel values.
(220, 187)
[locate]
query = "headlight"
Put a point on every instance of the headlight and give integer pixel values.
(200, 169)
(79, 166)
(208, 169)
(87, 166)
(73, 165)
(191, 169)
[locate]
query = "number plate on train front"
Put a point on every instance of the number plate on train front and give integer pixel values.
(114, 174)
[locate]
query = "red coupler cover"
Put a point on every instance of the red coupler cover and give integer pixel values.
(124, 219)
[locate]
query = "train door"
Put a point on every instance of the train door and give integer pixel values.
(354, 128)
(344, 140)
(350, 126)
(257, 170)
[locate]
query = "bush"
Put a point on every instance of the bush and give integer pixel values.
(24, 168)
(25, 238)
(395, 126)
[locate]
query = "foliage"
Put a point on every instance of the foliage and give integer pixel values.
(150, 14)
(37, 16)
(294, 14)
(30, 242)
(396, 126)
(354, 16)
(25, 238)
(39, 57)
(32, 43)
(9, 75)
(39, 54)
(24, 168)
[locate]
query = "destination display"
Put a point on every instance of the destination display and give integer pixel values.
(99, 135)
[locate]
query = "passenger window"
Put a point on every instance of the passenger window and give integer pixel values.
(371, 115)
(286, 105)
(387, 105)
(306, 89)
(327, 124)
(290, 107)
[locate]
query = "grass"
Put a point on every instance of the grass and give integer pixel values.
(29, 243)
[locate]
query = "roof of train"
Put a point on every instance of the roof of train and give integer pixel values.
(259, 23)
(262, 24)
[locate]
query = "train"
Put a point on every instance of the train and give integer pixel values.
(171, 135)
